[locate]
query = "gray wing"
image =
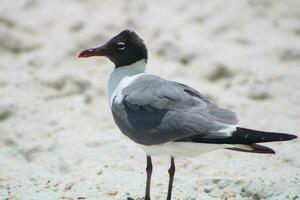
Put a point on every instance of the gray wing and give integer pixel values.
(156, 111)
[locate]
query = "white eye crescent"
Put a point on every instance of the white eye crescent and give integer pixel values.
(121, 46)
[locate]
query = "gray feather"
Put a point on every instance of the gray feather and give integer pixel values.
(156, 111)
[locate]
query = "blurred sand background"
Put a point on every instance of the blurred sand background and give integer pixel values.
(58, 139)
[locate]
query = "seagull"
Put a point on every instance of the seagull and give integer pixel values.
(168, 117)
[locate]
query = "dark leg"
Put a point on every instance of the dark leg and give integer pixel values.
(149, 173)
(171, 177)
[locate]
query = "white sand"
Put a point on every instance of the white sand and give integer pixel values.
(57, 136)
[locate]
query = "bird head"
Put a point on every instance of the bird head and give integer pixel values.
(123, 49)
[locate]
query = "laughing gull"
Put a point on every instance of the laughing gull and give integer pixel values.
(167, 117)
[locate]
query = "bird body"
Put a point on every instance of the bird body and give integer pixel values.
(123, 77)
(167, 117)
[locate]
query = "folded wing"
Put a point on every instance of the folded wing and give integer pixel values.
(155, 111)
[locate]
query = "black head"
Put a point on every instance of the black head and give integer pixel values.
(123, 49)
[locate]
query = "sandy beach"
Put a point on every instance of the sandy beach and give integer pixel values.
(58, 140)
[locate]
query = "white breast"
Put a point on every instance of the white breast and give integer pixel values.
(126, 81)
(122, 77)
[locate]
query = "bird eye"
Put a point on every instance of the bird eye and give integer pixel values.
(121, 46)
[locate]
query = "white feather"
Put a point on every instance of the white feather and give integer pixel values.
(181, 149)
(122, 77)
(228, 130)
(188, 149)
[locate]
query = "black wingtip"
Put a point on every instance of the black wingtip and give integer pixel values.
(255, 136)
(285, 137)
(293, 137)
(262, 149)
(255, 149)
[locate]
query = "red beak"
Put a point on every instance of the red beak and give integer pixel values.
(99, 51)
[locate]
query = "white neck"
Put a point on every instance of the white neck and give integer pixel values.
(116, 81)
